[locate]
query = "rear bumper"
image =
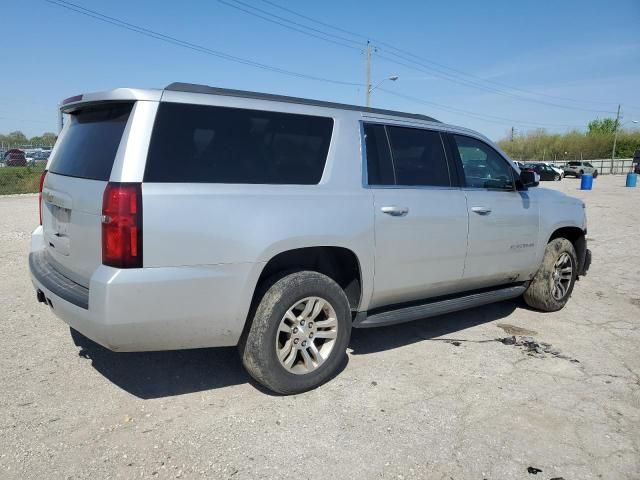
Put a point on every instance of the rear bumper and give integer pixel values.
(146, 309)
(43, 271)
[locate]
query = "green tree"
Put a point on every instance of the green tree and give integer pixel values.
(605, 126)
(17, 137)
(44, 140)
(595, 143)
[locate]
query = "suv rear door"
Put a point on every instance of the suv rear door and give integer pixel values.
(78, 173)
(420, 214)
(503, 222)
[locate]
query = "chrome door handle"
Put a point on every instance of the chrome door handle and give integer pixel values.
(481, 210)
(395, 211)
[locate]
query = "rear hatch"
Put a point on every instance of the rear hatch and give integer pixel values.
(72, 194)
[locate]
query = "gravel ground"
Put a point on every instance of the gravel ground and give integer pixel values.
(438, 398)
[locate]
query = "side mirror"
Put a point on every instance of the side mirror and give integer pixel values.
(529, 178)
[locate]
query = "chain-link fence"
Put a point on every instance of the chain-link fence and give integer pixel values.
(20, 179)
(620, 166)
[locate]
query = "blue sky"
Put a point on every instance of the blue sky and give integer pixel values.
(570, 61)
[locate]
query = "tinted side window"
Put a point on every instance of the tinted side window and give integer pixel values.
(379, 167)
(205, 144)
(88, 148)
(418, 157)
(483, 166)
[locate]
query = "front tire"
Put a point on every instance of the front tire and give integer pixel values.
(595, 174)
(553, 284)
(299, 333)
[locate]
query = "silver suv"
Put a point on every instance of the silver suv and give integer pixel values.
(201, 217)
(577, 169)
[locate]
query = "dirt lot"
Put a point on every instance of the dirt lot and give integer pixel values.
(438, 398)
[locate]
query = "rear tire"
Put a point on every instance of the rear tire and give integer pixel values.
(272, 350)
(553, 284)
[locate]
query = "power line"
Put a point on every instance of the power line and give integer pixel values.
(401, 53)
(363, 37)
(173, 40)
(468, 83)
(192, 46)
(479, 116)
(13, 119)
(275, 19)
(461, 74)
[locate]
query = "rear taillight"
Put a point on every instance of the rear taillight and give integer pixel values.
(44, 174)
(122, 225)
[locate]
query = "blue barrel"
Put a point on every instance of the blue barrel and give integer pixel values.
(632, 179)
(586, 182)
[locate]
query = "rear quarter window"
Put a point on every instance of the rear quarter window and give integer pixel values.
(88, 148)
(208, 144)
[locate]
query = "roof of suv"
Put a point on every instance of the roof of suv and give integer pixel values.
(194, 88)
(128, 94)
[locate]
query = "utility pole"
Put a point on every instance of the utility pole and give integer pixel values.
(615, 138)
(368, 85)
(512, 133)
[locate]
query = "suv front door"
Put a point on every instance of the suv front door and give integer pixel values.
(503, 222)
(420, 214)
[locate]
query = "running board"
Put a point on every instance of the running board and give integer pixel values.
(438, 307)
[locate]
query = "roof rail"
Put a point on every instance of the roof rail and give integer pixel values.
(194, 88)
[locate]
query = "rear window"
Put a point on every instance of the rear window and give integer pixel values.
(205, 144)
(88, 148)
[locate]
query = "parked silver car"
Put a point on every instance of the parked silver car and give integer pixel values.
(200, 217)
(577, 169)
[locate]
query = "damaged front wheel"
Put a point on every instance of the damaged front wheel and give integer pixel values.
(551, 287)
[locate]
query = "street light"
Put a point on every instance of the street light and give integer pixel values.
(615, 140)
(370, 89)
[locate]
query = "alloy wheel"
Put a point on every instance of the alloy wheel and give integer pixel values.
(306, 335)
(562, 276)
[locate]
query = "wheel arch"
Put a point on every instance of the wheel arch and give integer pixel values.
(341, 264)
(577, 237)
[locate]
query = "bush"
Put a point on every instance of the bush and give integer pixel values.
(20, 179)
(539, 145)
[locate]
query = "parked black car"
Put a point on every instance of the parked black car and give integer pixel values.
(545, 171)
